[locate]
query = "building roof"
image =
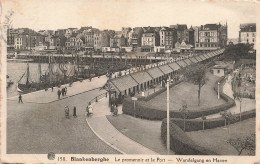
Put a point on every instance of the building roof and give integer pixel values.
(155, 72)
(248, 27)
(181, 63)
(124, 82)
(206, 55)
(187, 61)
(202, 57)
(210, 27)
(181, 27)
(174, 66)
(141, 77)
(220, 66)
(150, 31)
(198, 58)
(166, 69)
(210, 54)
(194, 60)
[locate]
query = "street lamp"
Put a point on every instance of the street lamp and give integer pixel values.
(168, 117)
(218, 90)
(240, 115)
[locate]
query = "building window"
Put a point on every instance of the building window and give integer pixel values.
(253, 40)
(247, 34)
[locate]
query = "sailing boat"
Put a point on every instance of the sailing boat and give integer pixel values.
(25, 83)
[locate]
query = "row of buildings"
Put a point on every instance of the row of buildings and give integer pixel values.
(147, 39)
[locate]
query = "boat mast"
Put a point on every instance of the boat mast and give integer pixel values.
(39, 71)
(27, 74)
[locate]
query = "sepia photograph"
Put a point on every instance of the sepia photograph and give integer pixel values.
(142, 81)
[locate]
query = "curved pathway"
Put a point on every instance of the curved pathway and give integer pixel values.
(246, 104)
(109, 134)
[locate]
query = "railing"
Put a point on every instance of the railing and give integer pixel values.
(97, 98)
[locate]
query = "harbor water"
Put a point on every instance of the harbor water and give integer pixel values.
(15, 70)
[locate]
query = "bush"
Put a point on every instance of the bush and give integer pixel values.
(197, 124)
(180, 143)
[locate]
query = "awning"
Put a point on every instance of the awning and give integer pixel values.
(124, 83)
(188, 61)
(210, 54)
(174, 66)
(202, 57)
(181, 63)
(155, 72)
(194, 60)
(206, 56)
(166, 69)
(198, 58)
(141, 77)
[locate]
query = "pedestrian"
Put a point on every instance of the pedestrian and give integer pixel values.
(115, 113)
(112, 109)
(67, 111)
(65, 91)
(20, 98)
(52, 87)
(62, 91)
(59, 93)
(74, 112)
(89, 109)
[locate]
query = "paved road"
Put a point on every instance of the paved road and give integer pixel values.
(42, 128)
(110, 134)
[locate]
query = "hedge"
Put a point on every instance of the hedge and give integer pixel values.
(180, 143)
(197, 124)
(144, 110)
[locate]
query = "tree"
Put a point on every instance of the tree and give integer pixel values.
(237, 51)
(246, 143)
(229, 117)
(196, 74)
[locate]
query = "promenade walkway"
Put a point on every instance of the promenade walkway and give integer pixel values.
(48, 96)
(109, 134)
(246, 104)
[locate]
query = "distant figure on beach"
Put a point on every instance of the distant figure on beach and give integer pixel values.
(74, 112)
(59, 93)
(20, 98)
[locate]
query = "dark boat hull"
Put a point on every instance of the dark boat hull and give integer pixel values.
(26, 88)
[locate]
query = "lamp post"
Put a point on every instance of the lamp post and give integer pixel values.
(240, 100)
(218, 90)
(168, 118)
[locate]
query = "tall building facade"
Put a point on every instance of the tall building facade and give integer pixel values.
(211, 37)
(247, 33)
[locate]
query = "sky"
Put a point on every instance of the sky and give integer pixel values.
(115, 14)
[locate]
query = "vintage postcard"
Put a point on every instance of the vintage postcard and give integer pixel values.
(135, 81)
